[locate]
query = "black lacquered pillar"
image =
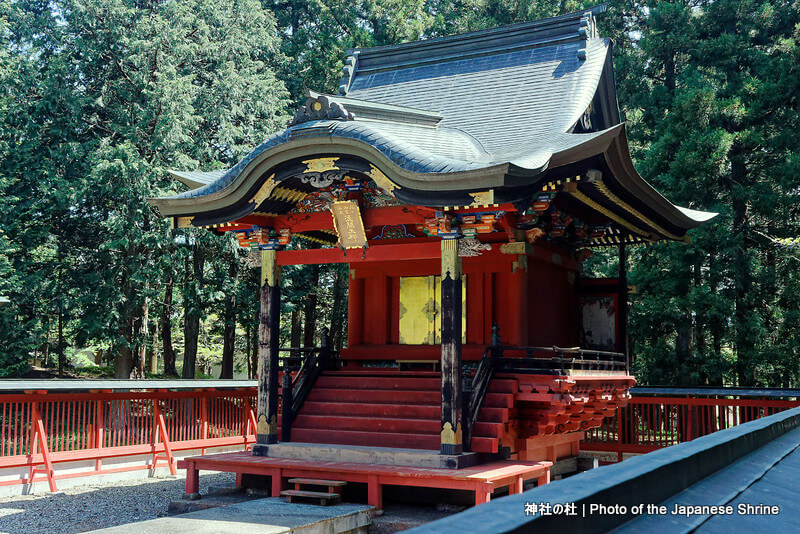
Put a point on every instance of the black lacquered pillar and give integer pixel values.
(268, 335)
(451, 434)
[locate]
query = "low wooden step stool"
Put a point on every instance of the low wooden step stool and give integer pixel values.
(333, 495)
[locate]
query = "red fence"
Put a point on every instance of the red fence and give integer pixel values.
(648, 423)
(40, 429)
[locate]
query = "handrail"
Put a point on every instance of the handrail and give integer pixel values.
(711, 391)
(494, 360)
(561, 362)
(476, 389)
(649, 422)
(21, 385)
(296, 389)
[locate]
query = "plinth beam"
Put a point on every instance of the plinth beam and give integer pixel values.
(451, 430)
(268, 336)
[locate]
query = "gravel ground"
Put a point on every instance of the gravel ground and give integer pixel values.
(96, 506)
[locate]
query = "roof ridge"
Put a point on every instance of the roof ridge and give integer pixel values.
(576, 26)
(368, 109)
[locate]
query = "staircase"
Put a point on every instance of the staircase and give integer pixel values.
(393, 409)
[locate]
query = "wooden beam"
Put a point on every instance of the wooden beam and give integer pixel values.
(268, 337)
(425, 250)
(322, 220)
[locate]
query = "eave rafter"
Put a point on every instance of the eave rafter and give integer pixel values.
(593, 193)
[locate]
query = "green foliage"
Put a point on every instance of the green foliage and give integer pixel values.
(710, 91)
(99, 98)
(114, 94)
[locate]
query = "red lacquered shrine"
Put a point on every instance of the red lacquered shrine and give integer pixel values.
(463, 180)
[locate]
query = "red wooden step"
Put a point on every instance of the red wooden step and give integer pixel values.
(498, 400)
(489, 430)
(502, 385)
(405, 411)
(374, 439)
(493, 415)
(490, 445)
(380, 382)
(376, 396)
(381, 371)
(371, 424)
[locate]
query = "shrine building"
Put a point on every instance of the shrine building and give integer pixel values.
(463, 180)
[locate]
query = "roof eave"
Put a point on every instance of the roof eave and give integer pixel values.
(613, 146)
(619, 161)
(488, 177)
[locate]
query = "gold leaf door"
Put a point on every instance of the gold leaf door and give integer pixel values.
(420, 310)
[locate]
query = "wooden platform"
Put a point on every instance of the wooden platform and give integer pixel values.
(482, 479)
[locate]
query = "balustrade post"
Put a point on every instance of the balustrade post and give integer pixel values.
(324, 350)
(287, 416)
(468, 392)
(620, 412)
(99, 427)
(204, 423)
(496, 344)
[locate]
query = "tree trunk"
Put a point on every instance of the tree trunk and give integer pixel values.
(339, 310)
(192, 313)
(716, 325)
(683, 352)
(229, 335)
(310, 311)
(166, 330)
(742, 277)
(247, 351)
(152, 352)
(141, 335)
(123, 361)
(62, 360)
(296, 334)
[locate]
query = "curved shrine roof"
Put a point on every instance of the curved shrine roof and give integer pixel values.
(506, 109)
